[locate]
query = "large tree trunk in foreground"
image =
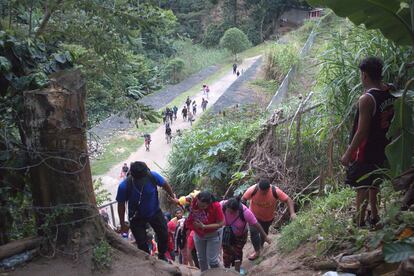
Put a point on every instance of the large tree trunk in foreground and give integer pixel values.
(55, 120)
(63, 196)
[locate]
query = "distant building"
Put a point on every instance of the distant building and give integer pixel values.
(315, 13)
(298, 15)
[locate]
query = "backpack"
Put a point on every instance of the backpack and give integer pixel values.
(256, 188)
(207, 89)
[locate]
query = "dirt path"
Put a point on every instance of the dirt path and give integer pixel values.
(156, 159)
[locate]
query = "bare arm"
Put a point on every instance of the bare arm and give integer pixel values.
(168, 189)
(291, 207)
(212, 226)
(365, 105)
(262, 232)
(121, 214)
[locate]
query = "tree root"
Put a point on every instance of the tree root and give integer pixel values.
(120, 244)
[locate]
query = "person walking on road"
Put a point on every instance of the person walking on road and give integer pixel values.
(204, 104)
(140, 191)
(184, 112)
(170, 115)
(190, 118)
(168, 133)
(194, 107)
(263, 201)
(234, 68)
(206, 219)
(147, 141)
(175, 110)
(207, 91)
(124, 171)
(188, 103)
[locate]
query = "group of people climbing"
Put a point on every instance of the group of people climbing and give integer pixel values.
(208, 232)
(203, 228)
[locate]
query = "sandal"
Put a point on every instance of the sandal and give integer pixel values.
(253, 256)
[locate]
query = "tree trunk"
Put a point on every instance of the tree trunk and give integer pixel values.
(49, 9)
(61, 180)
(62, 191)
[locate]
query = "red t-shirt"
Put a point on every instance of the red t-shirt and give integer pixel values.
(171, 230)
(213, 214)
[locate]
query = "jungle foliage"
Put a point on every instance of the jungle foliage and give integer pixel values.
(386, 33)
(209, 155)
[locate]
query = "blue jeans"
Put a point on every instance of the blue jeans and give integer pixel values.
(208, 249)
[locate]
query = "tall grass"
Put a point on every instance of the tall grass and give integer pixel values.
(326, 222)
(197, 57)
(278, 60)
(340, 74)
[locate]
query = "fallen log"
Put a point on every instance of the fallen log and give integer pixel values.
(406, 268)
(324, 265)
(404, 181)
(358, 261)
(19, 246)
(120, 244)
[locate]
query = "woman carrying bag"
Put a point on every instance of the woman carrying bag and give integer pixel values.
(237, 216)
(206, 219)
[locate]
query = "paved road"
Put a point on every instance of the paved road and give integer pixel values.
(156, 159)
(108, 127)
(235, 94)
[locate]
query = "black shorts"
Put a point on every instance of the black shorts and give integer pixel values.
(359, 175)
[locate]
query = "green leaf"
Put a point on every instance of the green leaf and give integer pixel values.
(398, 94)
(399, 152)
(397, 251)
(5, 65)
(39, 80)
(386, 15)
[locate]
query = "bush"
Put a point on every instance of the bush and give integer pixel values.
(174, 70)
(196, 57)
(213, 34)
(235, 41)
(326, 222)
(102, 195)
(102, 256)
(210, 154)
(278, 60)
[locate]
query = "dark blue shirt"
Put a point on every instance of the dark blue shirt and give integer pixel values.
(149, 200)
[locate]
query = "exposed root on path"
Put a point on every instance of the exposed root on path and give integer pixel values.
(266, 159)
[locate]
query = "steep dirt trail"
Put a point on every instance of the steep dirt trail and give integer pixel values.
(156, 158)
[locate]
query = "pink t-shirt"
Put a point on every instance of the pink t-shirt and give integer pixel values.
(239, 226)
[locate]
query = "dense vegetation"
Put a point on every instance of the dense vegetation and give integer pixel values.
(210, 155)
(206, 21)
(333, 76)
